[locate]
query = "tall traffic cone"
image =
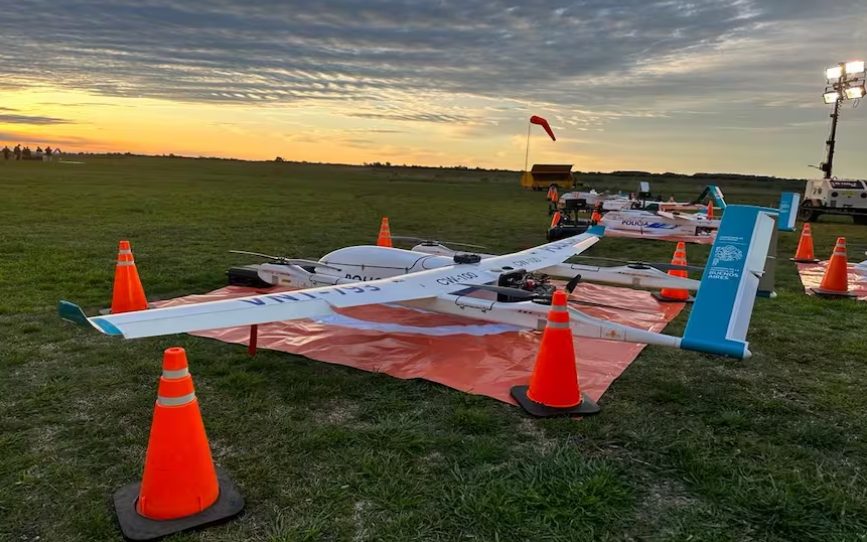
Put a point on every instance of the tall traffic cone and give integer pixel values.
(127, 294)
(676, 294)
(804, 253)
(709, 210)
(835, 281)
(555, 220)
(554, 388)
(180, 487)
(596, 216)
(384, 238)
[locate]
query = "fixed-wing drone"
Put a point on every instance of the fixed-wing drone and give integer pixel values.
(368, 262)
(364, 275)
(653, 221)
(660, 223)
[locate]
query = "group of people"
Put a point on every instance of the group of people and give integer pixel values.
(25, 153)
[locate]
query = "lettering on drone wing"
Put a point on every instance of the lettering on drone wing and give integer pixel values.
(361, 278)
(555, 247)
(296, 296)
(455, 279)
(526, 261)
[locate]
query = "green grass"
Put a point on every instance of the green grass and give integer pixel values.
(687, 447)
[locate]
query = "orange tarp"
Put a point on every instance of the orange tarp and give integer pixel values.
(811, 277)
(466, 354)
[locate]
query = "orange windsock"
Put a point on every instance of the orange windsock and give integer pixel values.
(676, 294)
(804, 252)
(554, 388)
(835, 281)
(384, 238)
(709, 210)
(180, 488)
(555, 220)
(127, 294)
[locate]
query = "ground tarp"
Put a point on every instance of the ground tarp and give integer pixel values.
(466, 354)
(811, 277)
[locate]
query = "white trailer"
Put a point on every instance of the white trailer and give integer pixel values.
(834, 197)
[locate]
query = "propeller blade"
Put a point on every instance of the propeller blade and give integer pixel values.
(505, 290)
(248, 253)
(434, 242)
(470, 245)
(673, 267)
(288, 261)
(645, 265)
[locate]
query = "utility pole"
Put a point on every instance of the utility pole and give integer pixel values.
(832, 141)
(845, 82)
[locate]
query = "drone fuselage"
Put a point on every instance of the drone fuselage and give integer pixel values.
(353, 264)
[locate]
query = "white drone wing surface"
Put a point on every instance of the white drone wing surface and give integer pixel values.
(313, 302)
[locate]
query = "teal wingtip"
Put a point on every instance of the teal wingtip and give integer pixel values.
(71, 312)
(597, 230)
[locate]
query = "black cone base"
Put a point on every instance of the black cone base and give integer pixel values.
(796, 260)
(831, 293)
(657, 296)
(135, 527)
(587, 406)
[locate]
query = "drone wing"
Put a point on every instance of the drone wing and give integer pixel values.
(314, 302)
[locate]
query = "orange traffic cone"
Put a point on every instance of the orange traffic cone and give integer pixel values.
(553, 195)
(554, 388)
(180, 488)
(835, 281)
(555, 220)
(128, 294)
(676, 294)
(709, 210)
(384, 239)
(804, 253)
(596, 216)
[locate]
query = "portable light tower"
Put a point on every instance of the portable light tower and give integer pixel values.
(845, 81)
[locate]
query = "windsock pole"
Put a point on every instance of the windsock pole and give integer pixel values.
(527, 152)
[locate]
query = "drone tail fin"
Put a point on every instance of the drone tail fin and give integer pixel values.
(723, 306)
(789, 203)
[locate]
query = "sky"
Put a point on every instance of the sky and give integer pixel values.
(686, 86)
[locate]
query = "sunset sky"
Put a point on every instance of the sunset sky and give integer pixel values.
(702, 85)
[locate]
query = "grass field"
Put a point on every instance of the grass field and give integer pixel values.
(688, 446)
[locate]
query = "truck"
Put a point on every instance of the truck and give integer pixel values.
(543, 176)
(834, 197)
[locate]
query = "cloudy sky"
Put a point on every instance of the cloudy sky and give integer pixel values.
(702, 85)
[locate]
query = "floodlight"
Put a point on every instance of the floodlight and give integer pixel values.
(831, 97)
(834, 73)
(854, 93)
(854, 67)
